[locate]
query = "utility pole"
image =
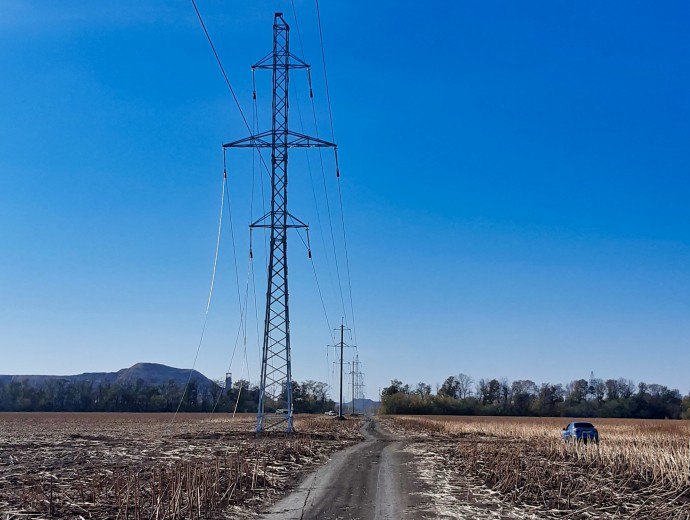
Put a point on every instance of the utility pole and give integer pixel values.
(275, 390)
(354, 371)
(342, 347)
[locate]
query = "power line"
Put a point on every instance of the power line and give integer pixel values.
(325, 74)
(244, 307)
(318, 285)
(227, 79)
(242, 328)
(347, 260)
(313, 190)
(340, 196)
(223, 195)
(255, 122)
(323, 178)
(220, 64)
(232, 229)
(208, 300)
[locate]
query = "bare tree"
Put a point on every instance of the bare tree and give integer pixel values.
(626, 387)
(464, 385)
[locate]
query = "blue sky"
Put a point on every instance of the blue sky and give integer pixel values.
(515, 182)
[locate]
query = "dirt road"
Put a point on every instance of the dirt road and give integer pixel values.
(389, 477)
(368, 481)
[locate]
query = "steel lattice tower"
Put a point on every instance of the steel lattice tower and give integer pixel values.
(275, 389)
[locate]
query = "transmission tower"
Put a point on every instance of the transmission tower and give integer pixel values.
(275, 390)
(357, 382)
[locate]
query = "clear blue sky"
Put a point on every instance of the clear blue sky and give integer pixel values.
(515, 175)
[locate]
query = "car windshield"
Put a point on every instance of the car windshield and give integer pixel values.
(583, 425)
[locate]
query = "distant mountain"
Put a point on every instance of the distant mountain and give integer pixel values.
(144, 387)
(152, 374)
(361, 406)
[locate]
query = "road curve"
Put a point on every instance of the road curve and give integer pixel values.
(367, 481)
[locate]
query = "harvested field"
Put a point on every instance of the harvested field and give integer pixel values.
(135, 466)
(640, 469)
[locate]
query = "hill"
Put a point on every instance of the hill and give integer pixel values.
(150, 374)
(362, 406)
(144, 387)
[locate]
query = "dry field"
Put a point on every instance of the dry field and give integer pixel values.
(135, 466)
(640, 469)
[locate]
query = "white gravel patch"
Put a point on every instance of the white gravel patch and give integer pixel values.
(451, 494)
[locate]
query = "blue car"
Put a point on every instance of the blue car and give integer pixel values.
(580, 431)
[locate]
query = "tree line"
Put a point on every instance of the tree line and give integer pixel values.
(62, 395)
(462, 395)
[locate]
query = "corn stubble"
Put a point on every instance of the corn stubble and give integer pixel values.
(129, 466)
(640, 469)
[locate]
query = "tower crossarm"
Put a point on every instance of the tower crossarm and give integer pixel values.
(267, 62)
(265, 222)
(266, 139)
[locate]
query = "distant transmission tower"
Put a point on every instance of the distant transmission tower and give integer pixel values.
(357, 382)
(275, 389)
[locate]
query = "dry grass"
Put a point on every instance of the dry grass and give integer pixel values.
(640, 469)
(139, 466)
